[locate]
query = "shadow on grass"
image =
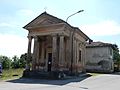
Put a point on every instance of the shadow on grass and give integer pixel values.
(50, 82)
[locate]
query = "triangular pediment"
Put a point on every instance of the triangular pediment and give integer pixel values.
(46, 19)
(43, 20)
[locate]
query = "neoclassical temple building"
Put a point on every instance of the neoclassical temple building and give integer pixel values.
(58, 46)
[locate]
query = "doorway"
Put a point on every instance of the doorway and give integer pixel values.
(49, 62)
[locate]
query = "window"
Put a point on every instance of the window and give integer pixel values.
(79, 55)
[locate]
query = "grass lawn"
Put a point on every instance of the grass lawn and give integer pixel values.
(94, 74)
(11, 74)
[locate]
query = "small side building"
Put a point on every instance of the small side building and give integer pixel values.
(99, 57)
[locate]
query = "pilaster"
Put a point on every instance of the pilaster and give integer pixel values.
(74, 54)
(68, 52)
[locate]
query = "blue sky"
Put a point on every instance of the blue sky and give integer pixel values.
(100, 20)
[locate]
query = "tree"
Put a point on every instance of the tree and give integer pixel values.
(6, 62)
(15, 63)
(116, 55)
(22, 60)
(19, 62)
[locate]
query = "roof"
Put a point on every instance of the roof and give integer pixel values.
(98, 44)
(57, 20)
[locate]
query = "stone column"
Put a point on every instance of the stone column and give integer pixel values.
(35, 53)
(54, 52)
(61, 53)
(29, 53)
(43, 51)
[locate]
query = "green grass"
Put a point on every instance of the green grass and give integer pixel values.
(94, 74)
(11, 74)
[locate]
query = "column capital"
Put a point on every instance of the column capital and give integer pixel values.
(75, 38)
(29, 37)
(61, 34)
(82, 44)
(35, 38)
(54, 34)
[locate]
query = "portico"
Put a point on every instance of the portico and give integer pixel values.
(48, 52)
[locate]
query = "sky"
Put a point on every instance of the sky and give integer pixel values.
(100, 20)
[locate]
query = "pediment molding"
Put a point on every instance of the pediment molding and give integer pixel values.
(43, 20)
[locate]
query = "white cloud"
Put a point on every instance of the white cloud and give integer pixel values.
(6, 25)
(11, 24)
(25, 12)
(102, 28)
(11, 45)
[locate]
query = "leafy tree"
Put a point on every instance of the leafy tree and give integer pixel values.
(116, 55)
(15, 63)
(22, 60)
(6, 62)
(19, 62)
